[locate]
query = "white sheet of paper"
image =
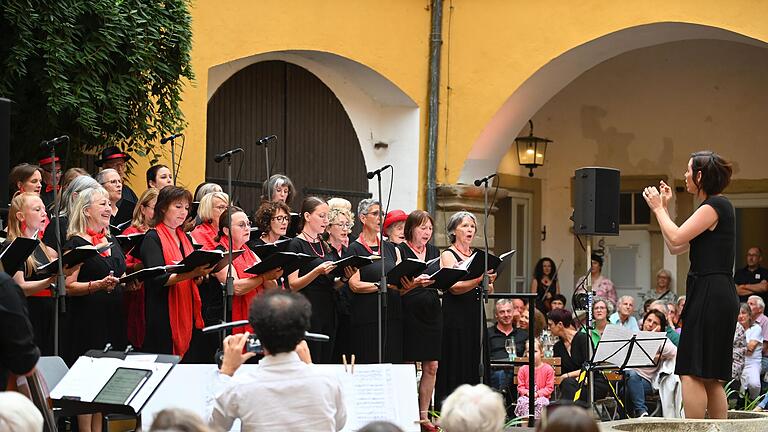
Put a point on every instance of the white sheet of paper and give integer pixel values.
(613, 347)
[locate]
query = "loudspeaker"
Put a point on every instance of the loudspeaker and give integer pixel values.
(596, 201)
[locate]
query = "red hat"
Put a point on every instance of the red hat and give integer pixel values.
(393, 217)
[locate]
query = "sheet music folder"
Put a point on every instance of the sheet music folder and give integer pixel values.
(622, 348)
(75, 393)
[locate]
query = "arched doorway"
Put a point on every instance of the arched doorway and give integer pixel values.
(317, 147)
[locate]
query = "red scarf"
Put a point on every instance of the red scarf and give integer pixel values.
(97, 238)
(133, 302)
(49, 188)
(183, 298)
(204, 234)
(241, 303)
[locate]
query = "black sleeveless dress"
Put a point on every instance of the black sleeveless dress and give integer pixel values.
(541, 292)
(422, 315)
(711, 306)
(461, 342)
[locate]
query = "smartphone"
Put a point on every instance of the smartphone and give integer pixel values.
(123, 386)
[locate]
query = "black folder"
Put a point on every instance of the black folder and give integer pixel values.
(475, 264)
(293, 226)
(223, 263)
(409, 267)
(201, 257)
(446, 277)
(72, 258)
(288, 261)
(129, 241)
(356, 261)
(17, 252)
(147, 273)
(194, 206)
(265, 250)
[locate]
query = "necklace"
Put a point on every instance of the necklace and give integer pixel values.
(415, 249)
(321, 254)
(467, 254)
(362, 241)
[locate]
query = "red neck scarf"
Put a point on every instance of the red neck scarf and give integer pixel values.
(97, 238)
(183, 298)
(49, 188)
(240, 303)
(204, 234)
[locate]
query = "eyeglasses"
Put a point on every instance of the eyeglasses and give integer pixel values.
(243, 225)
(374, 213)
(346, 226)
(281, 218)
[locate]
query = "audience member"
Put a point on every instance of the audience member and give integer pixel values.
(739, 355)
(545, 284)
(291, 395)
(178, 420)
(662, 290)
(753, 278)
(680, 307)
(670, 330)
(750, 377)
(544, 378)
(473, 408)
(498, 334)
(380, 426)
(639, 380)
(601, 285)
(601, 309)
(17, 413)
(558, 302)
(757, 306)
(567, 419)
(624, 316)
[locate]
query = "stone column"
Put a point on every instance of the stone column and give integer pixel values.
(456, 197)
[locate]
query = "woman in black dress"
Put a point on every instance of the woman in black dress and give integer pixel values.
(95, 306)
(422, 315)
(545, 283)
(340, 222)
(172, 305)
(25, 218)
(68, 197)
(122, 210)
(314, 279)
(704, 353)
(461, 314)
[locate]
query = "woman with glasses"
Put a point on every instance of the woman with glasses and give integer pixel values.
(134, 299)
(314, 279)
(246, 285)
(278, 188)
(422, 315)
(122, 210)
(272, 219)
(337, 235)
(210, 210)
(340, 223)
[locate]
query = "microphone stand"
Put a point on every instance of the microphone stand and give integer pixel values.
(590, 321)
(229, 285)
(60, 292)
(483, 300)
(173, 160)
(266, 158)
(382, 291)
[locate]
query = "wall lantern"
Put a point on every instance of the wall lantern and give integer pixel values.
(531, 150)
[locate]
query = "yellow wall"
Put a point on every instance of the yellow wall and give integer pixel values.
(490, 48)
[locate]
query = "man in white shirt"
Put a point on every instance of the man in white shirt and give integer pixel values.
(624, 315)
(283, 393)
(757, 305)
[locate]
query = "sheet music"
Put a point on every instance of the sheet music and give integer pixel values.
(614, 346)
(369, 395)
(89, 375)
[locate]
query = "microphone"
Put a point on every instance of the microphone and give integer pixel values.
(372, 174)
(47, 144)
(266, 139)
(220, 157)
(171, 137)
(485, 179)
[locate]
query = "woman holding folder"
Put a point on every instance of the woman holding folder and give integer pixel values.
(172, 302)
(134, 300)
(314, 279)
(25, 218)
(422, 315)
(246, 285)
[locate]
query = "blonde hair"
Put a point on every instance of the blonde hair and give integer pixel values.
(78, 223)
(18, 204)
(205, 211)
(335, 212)
(138, 217)
(339, 203)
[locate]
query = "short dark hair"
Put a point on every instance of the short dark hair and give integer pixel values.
(559, 297)
(662, 318)
(168, 195)
(267, 210)
(416, 219)
(598, 258)
(715, 172)
(279, 319)
(561, 316)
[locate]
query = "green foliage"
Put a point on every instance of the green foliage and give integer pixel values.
(105, 72)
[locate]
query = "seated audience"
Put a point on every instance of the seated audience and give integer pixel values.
(506, 320)
(680, 307)
(291, 395)
(380, 426)
(670, 330)
(739, 353)
(473, 408)
(662, 290)
(558, 302)
(567, 419)
(624, 314)
(757, 305)
(544, 377)
(639, 380)
(601, 309)
(750, 376)
(602, 286)
(178, 420)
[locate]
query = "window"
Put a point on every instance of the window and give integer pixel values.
(633, 209)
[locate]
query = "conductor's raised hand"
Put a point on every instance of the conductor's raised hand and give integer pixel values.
(652, 197)
(666, 193)
(233, 353)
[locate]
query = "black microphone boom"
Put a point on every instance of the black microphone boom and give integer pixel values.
(485, 179)
(47, 144)
(220, 157)
(372, 174)
(170, 137)
(266, 139)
